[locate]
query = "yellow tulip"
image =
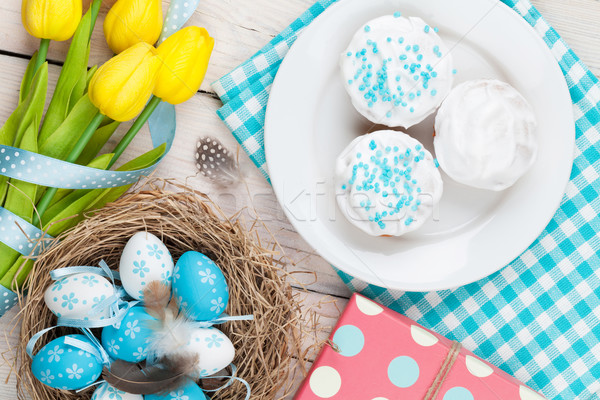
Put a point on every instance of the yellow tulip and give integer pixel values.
(122, 86)
(132, 21)
(184, 57)
(51, 19)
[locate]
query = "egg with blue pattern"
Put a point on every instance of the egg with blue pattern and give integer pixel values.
(107, 392)
(189, 391)
(63, 366)
(75, 296)
(215, 351)
(199, 287)
(129, 340)
(145, 259)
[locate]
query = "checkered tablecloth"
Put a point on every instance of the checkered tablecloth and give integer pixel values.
(538, 318)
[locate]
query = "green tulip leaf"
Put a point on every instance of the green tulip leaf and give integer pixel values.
(89, 76)
(27, 112)
(74, 67)
(26, 82)
(64, 138)
(98, 141)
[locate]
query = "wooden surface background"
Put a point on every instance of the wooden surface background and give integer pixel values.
(240, 28)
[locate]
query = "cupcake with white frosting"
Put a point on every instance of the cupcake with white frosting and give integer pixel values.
(485, 135)
(396, 70)
(387, 183)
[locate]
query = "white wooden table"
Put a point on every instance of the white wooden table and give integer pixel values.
(240, 28)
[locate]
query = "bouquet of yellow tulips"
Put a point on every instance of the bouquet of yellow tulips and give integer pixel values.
(52, 171)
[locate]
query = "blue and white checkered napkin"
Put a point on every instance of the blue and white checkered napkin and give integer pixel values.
(539, 317)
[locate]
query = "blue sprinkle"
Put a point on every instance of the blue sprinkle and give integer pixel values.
(349, 54)
(418, 92)
(367, 28)
(419, 57)
(363, 51)
(358, 155)
(436, 49)
(350, 82)
(411, 96)
(434, 74)
(416, 77)
(412, 109)
(397, 14)
(389, 39)
(369, 41)
(389, 114)
(433, 92)
(362, 204)
(426, 29)
(407, 47)
(378, 153)
(398, 78)
(418, 191)
(435, 161)
(408, 221)
(372, 145)
(370, 104)
(436, 29)
(405, 66)
(361, 88)
(370, 66)
(415, 48)
(454, 71)
(403, 57)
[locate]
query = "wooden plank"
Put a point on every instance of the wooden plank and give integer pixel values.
(241, 33)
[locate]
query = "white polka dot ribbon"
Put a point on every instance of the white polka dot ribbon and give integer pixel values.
(20, 235)
(179, 13)
(47, 171)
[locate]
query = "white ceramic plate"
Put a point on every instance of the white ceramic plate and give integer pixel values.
(310, 120)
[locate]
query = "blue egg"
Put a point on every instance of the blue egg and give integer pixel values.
(129, 341)
(62, 366)
(189, 391)
(199, 287)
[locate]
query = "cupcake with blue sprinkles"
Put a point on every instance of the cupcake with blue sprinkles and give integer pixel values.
(396, 70)
(387, 183)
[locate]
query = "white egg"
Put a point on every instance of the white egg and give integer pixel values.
(215, 350)
(145, 259)
(76, 295)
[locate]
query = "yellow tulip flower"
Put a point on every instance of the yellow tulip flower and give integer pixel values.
(51, 19)
(184, 56)
(132, 21)
(122, 86)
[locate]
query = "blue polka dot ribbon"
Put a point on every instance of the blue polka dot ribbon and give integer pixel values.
(47, 171)
(20, 235)
(8, 299)
(178, 14)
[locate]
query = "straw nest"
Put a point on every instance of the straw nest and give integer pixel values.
(267, 349)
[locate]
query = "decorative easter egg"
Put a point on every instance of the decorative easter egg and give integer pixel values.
(189, 391)
(62, 366)
(199, 287)
(129, 341)
(75, 295)
(145, 259)
(107, 392)
(215, 350)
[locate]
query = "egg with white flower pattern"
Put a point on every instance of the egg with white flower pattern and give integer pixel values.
(129, 340)
(107, 392)
(215, 350)
(64, 366)
(145, 259)
(189, 391)
(75, 296)
(199, 287)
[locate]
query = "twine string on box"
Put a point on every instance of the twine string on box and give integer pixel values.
(445, 369)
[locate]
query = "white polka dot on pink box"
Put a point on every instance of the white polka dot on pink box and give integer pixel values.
(378, 354)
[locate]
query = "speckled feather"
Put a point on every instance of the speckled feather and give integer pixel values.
(215, 162)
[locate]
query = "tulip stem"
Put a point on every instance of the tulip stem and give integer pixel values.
(135, 128)
(73, 156)
(42, 53)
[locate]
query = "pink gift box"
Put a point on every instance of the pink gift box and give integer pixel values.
(382, 355)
